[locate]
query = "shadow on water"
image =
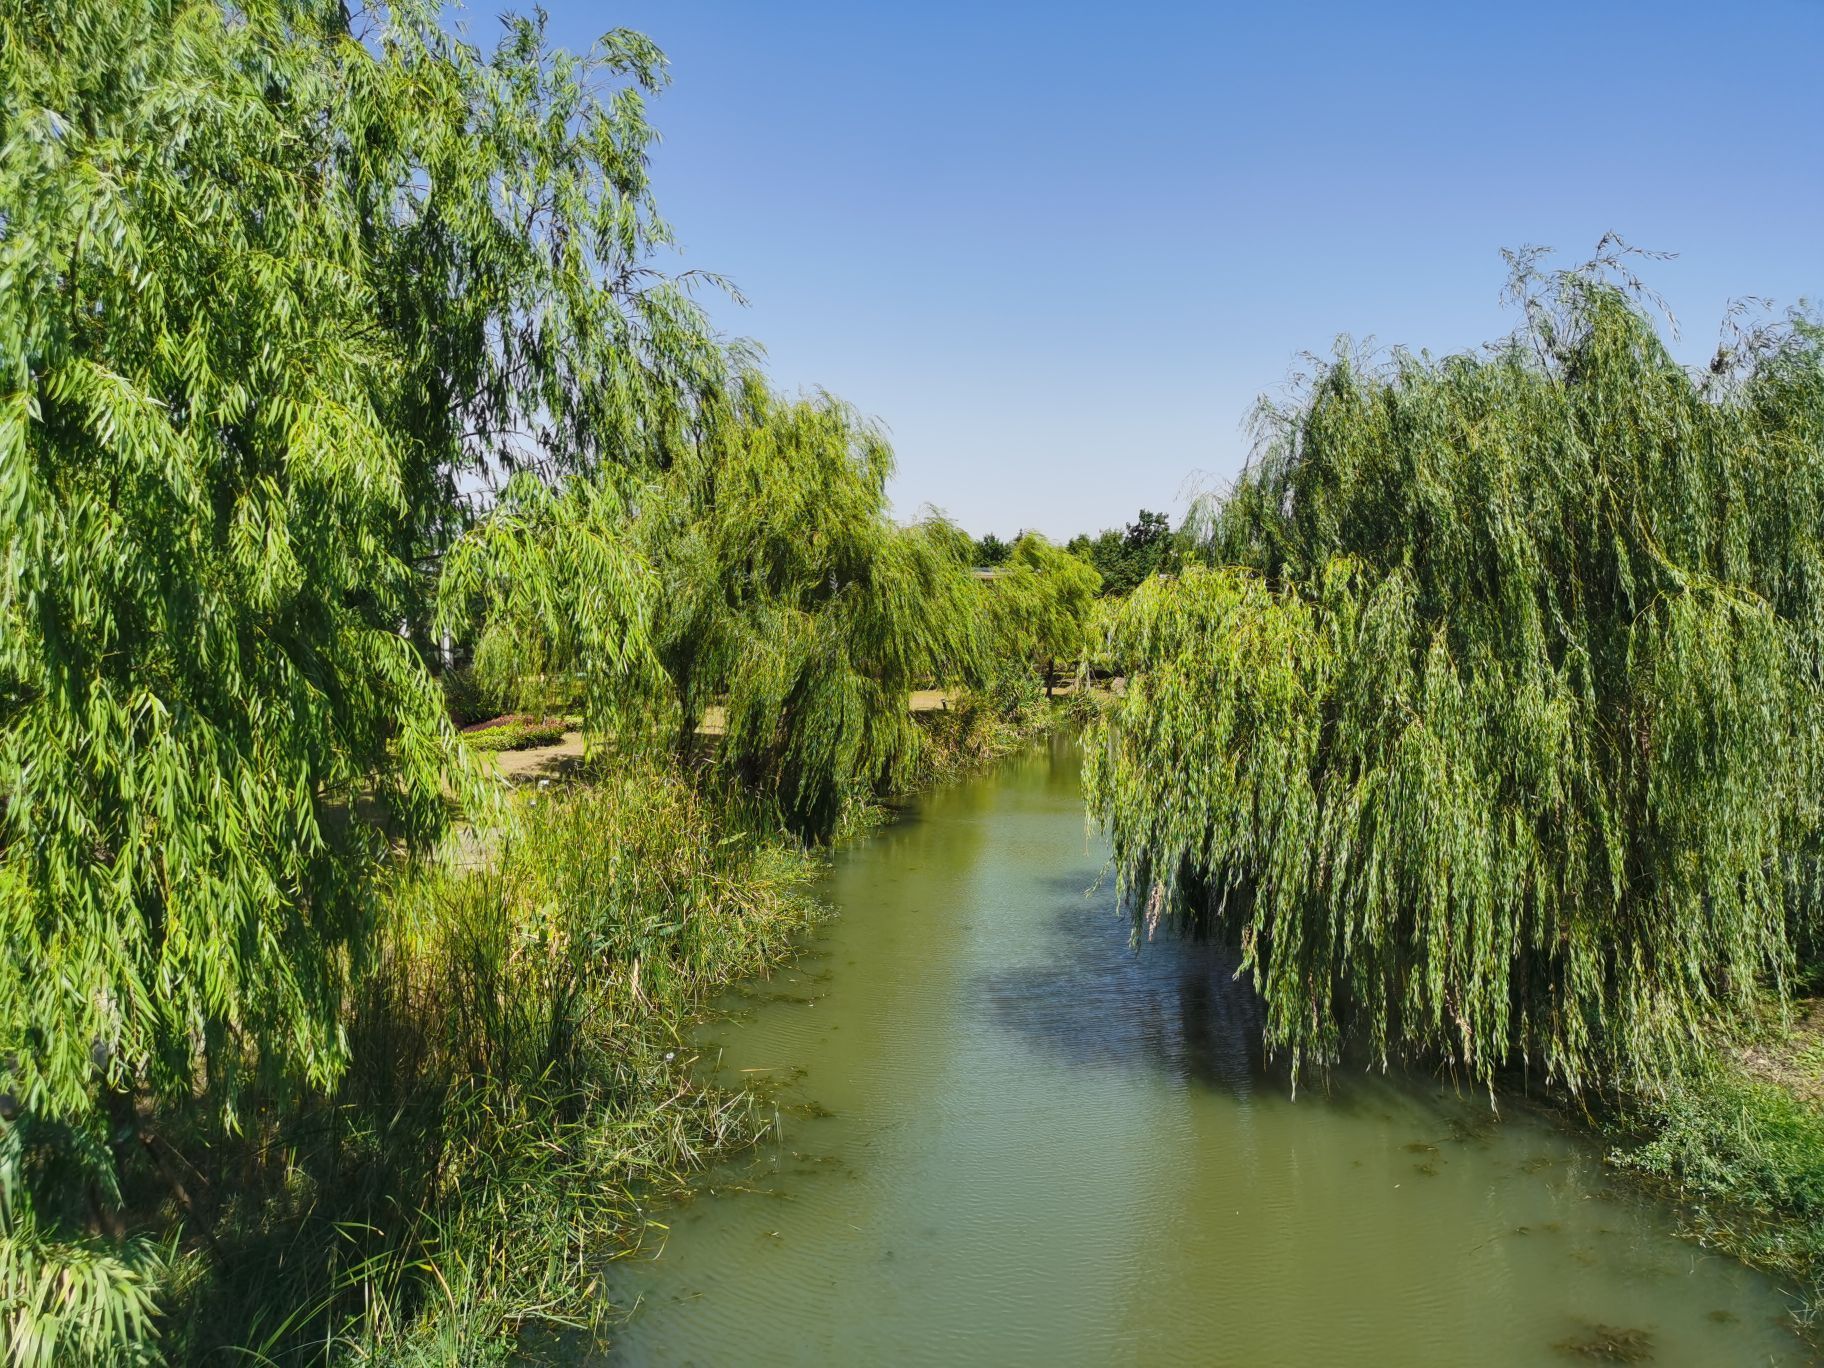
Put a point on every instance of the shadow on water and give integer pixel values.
(1008, 1134)
(1173, 1005)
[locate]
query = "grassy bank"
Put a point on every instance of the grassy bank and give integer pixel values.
(1742, 1142)
(521, 1089)
(981, 725)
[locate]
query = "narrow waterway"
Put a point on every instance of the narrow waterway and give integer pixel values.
(1008, 1138)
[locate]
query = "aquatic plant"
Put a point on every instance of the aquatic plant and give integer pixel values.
(1489, 728)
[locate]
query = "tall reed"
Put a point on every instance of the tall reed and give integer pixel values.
(521, 1089)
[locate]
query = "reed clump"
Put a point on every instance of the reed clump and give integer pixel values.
(521, 1089)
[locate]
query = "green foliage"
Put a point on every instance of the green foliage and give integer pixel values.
(989, 551)
(1750, 1156)
(521, 1065)
(1495, 737)
(788, 589)
(760, 571)
(1002, 709)
(517, 733)
(1128, 557)
(466, 698)
(561, 590)
(268, 288)
(1728, 1136)
(1039, 609)
(75, 1301)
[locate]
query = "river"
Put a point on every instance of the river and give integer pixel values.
(1006, 1137)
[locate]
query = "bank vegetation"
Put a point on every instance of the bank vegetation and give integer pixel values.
(335, 352)
(1485, 720)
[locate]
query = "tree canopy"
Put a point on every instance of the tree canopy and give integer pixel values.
(1490, 730)
(790, 592)
(272, 288)
(990, 551)
(760, 573)
(1038, 610)
(1125, 557)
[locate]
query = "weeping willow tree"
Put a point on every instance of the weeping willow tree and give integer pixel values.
(761, 573)
(272, 286)
(1490, 732)
(1038, 609)
(819, 613)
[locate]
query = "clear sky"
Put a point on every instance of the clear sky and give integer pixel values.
(1058, 249)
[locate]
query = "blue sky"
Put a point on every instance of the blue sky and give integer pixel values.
(1058, 249)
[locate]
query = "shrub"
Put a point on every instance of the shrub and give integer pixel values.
(516, 733)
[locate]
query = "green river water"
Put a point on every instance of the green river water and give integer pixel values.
(1008, 1138)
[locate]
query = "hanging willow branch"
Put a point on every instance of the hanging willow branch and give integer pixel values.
(269, 293)
(1491, 732)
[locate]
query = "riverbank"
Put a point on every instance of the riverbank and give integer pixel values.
(1742, 1143)
(520, 1086)
(959, 739)
(525, 1095)
(522, 1092)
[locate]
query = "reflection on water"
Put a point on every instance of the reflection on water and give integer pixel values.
(1008, 1136)
(1173, 1005)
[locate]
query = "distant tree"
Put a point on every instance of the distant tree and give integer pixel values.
(991, 551)
(1036, 612)
(1149, 534)
(1044, 604)
(1127, 557)
(761, 572)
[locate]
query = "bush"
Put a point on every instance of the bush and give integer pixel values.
(516, 733)
(467, 698)
(979, 726)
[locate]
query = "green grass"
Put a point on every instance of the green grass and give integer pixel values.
(522, 1091)
(1747, 1154)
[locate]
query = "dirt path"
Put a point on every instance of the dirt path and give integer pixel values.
(566, 757)
(543, 762)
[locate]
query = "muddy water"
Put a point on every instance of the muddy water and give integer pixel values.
(1007, 1138)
